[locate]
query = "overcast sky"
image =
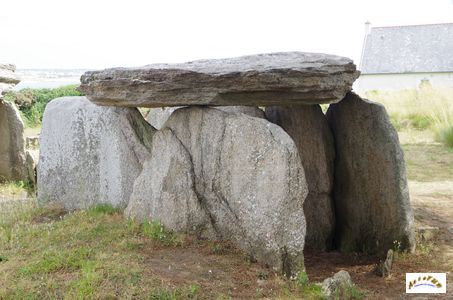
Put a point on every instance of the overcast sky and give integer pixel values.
(99, 34)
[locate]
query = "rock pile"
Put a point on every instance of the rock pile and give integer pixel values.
(228, 172)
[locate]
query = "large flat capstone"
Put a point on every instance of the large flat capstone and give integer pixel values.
(260, 80)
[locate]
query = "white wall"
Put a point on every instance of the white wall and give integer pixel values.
(367, 82)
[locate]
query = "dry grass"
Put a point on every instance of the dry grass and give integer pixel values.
(424, 108)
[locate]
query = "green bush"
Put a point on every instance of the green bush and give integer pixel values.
(445, 136)
(420, 121)
(32, 102)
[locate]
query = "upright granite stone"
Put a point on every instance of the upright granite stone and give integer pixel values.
(158, 116)
(8, 77)
(165, 190)
(308, 127)
(241, 180)
(259, 80)
(252, 111)
(12, 143)
(90, 154)
(371, 195)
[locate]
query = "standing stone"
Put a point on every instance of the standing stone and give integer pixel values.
(252, 111)
(247, 179)
(12, 143)
(90, 154)
(372, 203)
(31, 161)
(308, 127)
(165, 190)
(8, 78)
(283, 78)
(158, 116)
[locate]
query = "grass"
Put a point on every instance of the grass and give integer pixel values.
(425, 108)
(14, 189)
(78, 255)
(47, 253)
(32, 102)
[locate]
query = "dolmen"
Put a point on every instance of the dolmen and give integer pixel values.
(13, 165)
(240, 150)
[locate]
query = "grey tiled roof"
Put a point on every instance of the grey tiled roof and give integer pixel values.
(408, 49)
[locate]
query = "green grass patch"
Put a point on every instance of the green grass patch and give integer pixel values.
(81, 255)
(32, 102)
(106, 209)
(308, 289)
(15, 188)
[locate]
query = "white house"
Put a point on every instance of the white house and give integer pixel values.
(405, 57)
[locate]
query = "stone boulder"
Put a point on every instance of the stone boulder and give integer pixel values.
(283, 78)
(233, 176)
(308, 127)
(165, 190)
(90, 154)
(12, 143)
(371, 195)
(8, 78)
(158, 116)
(338, 286)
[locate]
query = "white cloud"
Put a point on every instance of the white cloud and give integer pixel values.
(97, 34)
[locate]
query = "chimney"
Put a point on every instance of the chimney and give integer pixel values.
(367, 32)
(367, 27)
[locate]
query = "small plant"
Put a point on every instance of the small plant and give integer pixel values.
(396, 246)
(350, 292)
(262, 275)
(302, 279)
(156, 231)
(307, 289)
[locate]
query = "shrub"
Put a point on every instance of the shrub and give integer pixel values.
(445, 136)
(419, 121)
(32, 102)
